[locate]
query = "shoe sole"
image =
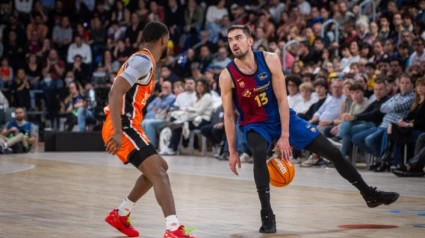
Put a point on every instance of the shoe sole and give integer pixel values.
(268, 232)
(110, 223)
(387, 203)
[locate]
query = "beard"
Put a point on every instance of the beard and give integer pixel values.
(241, 54)
(164, 52)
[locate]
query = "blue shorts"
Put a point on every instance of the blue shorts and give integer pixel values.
(301, 133)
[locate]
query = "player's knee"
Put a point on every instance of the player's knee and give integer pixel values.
(160, 174)
(334, 153)
(164, 165)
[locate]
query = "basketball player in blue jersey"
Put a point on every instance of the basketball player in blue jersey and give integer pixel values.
(254, 83)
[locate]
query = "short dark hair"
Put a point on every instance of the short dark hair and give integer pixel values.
(245, 28)
(321, 82)
(404, 45)
(383, 81)
(371, 65)
(293, 78)
(188, 79)
(356, 87)
(154, 31)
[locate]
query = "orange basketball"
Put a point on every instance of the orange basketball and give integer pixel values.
(281, 172)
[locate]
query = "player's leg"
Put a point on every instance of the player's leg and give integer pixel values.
(142, 186)
(258, 146)
(154, 171)
(323, 147)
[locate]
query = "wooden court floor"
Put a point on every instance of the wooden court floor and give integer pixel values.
(69, 194)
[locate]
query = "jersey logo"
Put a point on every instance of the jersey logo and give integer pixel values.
(147, 96)
(246, 93)
(262, 76)
(242, 84)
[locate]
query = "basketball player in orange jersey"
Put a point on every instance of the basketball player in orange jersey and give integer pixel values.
(254, 83)
(123, 135)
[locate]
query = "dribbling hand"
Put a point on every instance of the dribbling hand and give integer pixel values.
(284, 148)
(233, 160)
(113, 144)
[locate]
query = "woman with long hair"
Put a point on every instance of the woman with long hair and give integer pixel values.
(408, 128)
(198, 115)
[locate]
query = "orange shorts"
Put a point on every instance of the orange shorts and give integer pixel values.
(133, 139)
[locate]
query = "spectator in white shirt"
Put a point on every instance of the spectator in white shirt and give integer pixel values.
(221, 60)
(24, 6)
(276, 8)
(292, 83)
(214, 18)
(187, 98)
(306, 90)
(304, 7)
(79, 48)
(419, 54)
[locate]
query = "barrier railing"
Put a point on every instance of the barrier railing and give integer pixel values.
(289, 43)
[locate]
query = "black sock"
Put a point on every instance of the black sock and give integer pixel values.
(258, 146)
(361, 185)
(264, 195)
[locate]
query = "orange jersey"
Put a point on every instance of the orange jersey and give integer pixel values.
(139, 70)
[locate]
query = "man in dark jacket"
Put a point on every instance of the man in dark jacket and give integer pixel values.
(215, 131)
(371, 117)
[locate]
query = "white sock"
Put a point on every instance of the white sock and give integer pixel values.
(125, 208)
(172, 223)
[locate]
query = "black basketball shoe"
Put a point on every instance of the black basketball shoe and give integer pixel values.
(377, 198)
(268, 222)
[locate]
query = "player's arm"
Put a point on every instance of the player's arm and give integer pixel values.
(226, 86)
(279, 89)
(138, 67)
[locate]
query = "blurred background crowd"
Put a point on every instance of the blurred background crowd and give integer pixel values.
(355, 68)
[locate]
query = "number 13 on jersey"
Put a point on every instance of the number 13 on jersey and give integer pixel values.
(261, 99)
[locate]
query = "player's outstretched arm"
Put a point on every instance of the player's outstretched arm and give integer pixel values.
(226, 86)
(279, 89)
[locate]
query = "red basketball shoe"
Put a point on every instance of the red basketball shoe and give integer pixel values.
(121, 223)
(181, 232)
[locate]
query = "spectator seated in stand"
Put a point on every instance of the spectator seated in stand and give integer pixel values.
(325, 116)
(73, 107)
(214, 132)
(358, 105)
(19, 135)
(370, 117)
(193, 117)
(415, 166)
(395, 108)
(157, 111)
(407, 129)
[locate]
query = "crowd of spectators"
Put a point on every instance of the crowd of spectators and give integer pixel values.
(360, 78)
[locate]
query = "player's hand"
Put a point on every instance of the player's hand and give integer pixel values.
(233, 160)
(114, 142)
(284, 147)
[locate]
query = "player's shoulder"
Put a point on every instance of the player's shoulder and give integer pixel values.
(272, 60)
(270, 56)
(140, 59)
